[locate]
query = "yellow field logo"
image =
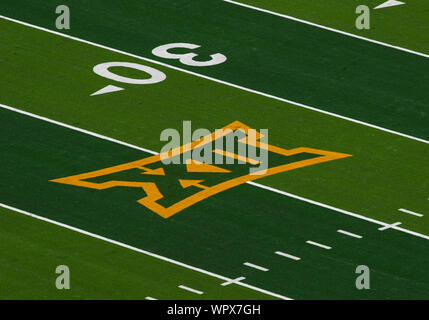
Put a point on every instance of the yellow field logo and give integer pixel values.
(193, 181)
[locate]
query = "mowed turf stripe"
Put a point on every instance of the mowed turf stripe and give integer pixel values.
(258, 185)
(374, 182)
(31, 250)
(316, 67)
(111, 88)
(341, 15)
(218, 234)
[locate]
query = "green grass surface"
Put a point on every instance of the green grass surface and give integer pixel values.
(52, 76)
(289, 59)
(405, 26)
(32, 249)
(376, 181)
(220, 233)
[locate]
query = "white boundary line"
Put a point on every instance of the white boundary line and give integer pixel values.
(383, 224)
(93, 235)
(327, 28)
(255, 266)
(190, 289)
(152, 152)
(218, 81)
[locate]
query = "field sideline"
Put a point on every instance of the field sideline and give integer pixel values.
(324, 219)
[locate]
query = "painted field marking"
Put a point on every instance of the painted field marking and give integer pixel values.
(107, 89)
(184, 265)
(287, 255)
(102, 69)
(327, 28)
(291, 195)
(254, 266)
(150, 298)
(61, 124)
(232, 281)
(319, 245)
(389, 3)
(349, 234)
(219, 81)
(411, 212)
(394, 226)
(190, 289)
(349, 213)
(390, 226)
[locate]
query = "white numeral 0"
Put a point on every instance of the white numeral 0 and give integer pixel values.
(102, 69)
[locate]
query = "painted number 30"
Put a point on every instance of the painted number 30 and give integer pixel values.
(187, 58)
(155, 75)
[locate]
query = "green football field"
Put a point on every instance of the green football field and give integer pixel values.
(299, 69)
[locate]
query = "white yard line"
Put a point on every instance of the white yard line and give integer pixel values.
(411, 212)
(61, 124)
(150, 298)
(319, 245)
(291, 195)
(287, 255)
(190, 289)
(394, 226)
(217, 80)
(327, 28)
(354, 235)
(187, 266)
(349, 213)
(254, 266)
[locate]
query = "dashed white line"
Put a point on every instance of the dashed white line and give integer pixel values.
(349, 213)
(351, 234)
(411, 212)
(287, 255)
(319, 245)
(96, 236)
(190, 289)
(251, 265)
